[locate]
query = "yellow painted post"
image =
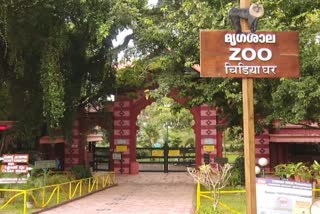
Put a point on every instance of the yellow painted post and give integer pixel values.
(70, 190)
(80, 187)
(198, 196)
(43, 196)
(24, 201)
(58, 194)
(248, 129)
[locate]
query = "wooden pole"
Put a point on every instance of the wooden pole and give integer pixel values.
(249, 133)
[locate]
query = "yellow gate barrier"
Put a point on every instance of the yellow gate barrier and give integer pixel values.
(51, 195)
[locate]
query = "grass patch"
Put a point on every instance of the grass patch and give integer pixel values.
(234, 201)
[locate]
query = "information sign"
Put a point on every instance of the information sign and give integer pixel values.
(15, 158)
(45, 164)
(209, 141)
(122, 148)
(175, 152)
(116, 156)
(121, 141)
(157, 153)
(247, 55)
(285, 197)
(13, 180)
(209, 148)
(14, 168)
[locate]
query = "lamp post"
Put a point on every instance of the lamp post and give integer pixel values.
(166, 149)
(263, 162)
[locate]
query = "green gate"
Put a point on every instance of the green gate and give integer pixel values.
(165, 159)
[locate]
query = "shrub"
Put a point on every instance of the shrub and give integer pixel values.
(80, 172)
(237, 172)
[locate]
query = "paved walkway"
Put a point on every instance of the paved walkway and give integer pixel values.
(145, 193)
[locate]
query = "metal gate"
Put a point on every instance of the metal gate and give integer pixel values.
(101, 158)
(165, 159)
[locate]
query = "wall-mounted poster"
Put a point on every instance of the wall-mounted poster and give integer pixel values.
(121, 148)
(209, 148)
(121, 141)
(157, 153)
(116, 156)
(175, 152)
(209, 141)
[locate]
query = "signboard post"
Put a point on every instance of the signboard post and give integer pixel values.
(247, 56)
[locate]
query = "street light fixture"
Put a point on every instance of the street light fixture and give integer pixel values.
(263, 162)
(257, 170)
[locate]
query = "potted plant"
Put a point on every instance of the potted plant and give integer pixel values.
(289, 171)
(295, 170)
(305, 173)
(280, 171)
(315, 168)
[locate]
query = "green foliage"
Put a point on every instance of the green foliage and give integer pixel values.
(233, 139)
(57, 57)
(167, 40)
(52, 84)
(237, 172)
(80, 172)
(159, 121)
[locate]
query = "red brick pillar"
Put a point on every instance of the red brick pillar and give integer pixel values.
(208, 133)
(122, 134)
(262, 142)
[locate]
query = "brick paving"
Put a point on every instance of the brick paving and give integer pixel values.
(145, 193)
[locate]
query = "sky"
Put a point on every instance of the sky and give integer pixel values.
(120, 38)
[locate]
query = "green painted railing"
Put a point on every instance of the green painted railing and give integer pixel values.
(34, 199)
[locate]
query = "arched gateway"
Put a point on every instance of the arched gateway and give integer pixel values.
(120, 117)
(278, 144)
(125, 112)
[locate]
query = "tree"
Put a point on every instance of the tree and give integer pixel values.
(57, 57)
(167, 40)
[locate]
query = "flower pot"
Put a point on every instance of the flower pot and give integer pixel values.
(297, 177)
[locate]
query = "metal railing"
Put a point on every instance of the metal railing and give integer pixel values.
(52, 195)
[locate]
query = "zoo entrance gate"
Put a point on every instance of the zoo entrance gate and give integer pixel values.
(165, 159)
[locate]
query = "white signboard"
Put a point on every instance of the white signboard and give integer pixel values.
(13, 180)
(283, 197)
(116, 156)
(14, 168)
(15, 158)
(45, 164)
